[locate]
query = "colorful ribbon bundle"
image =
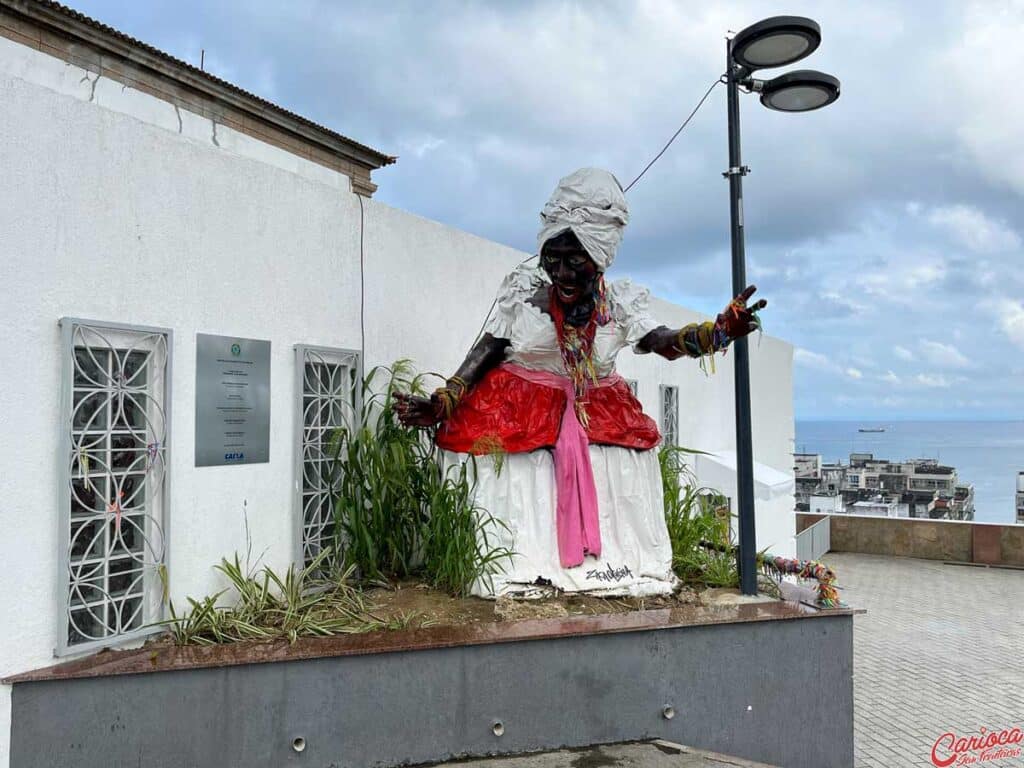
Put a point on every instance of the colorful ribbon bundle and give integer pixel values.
(84, 462)
(602, 314)
(776, 567)
(576, 345)
(737, 306)
(152, 453)
(703, 340)
(828, 592)
(450, 394)
(115, 509)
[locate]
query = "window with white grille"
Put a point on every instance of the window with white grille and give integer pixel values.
(328, 388)
(670, 415)
(116, 395)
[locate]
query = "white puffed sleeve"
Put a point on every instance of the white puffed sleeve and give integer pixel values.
(518, 285)
(630, 308)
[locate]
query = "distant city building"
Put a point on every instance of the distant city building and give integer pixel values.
(832, 476)
(825, 504)
(1020, 498)
(878, 508)
(807, 465)
(807, 475)
(869, 486)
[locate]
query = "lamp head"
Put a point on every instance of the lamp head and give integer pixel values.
(775, 42)
(801, 91)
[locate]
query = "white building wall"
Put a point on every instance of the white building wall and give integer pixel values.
(807, 466)
(825, 505)
(874, 509)
(115, 206)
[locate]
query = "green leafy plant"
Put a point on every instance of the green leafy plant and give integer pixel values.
(400, 509)
(455, 551)
(697, 518)
(267, 606)
(377, 467)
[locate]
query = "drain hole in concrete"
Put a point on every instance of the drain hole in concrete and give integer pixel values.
(498, 729)
(298, 743)
(668, 712)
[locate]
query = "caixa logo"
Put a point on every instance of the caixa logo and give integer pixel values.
(234, 456)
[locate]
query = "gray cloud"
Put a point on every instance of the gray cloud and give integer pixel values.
(891, 219)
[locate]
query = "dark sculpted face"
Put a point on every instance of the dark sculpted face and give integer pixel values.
(572, 271)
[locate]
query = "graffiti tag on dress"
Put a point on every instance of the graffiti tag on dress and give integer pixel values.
(610, 574)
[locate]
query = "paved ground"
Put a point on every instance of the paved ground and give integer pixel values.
(940, 649)
(658, 754)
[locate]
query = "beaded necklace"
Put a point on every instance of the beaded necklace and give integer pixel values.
(577, 344)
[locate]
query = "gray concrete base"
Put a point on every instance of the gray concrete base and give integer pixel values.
(778, 692)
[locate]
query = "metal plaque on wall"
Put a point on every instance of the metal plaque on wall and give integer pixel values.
(232, 400)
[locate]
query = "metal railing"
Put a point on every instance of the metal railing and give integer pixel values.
(814, 541)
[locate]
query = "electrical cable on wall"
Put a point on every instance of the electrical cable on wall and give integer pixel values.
(362, 284)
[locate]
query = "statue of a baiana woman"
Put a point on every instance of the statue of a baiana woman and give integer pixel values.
(578, 489)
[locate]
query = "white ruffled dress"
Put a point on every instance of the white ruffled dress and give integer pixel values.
(519, 490)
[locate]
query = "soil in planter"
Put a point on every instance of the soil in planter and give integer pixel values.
(421, 605)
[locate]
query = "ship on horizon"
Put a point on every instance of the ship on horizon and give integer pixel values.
(871, 429)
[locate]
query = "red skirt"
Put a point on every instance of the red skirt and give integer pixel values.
(507, 413)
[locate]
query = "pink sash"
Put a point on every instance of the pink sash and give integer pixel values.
(576, 521)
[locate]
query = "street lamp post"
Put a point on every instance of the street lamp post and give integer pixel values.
(744, 445)
(773, 42)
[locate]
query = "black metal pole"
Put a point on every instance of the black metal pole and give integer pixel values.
(747, 551)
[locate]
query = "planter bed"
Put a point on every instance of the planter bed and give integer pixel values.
(769, 681)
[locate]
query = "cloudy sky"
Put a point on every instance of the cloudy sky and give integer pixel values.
(885, 231)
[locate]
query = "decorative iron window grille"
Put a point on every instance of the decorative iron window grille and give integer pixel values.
(329, 386)
(633, 385)
(669, 414)
(115, 417)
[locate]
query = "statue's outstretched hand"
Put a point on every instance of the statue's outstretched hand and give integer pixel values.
(739, 319)
(416, 411)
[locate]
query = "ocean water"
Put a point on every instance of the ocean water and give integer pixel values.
(986, 453)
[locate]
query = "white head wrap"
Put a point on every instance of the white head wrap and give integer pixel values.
(590, 202)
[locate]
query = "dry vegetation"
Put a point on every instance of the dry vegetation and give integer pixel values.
(422, 605)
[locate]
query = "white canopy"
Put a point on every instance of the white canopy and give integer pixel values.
(718, 470)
